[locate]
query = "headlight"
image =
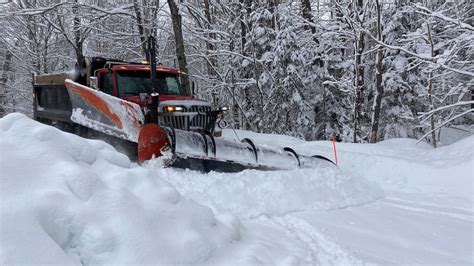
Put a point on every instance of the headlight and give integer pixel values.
(171, 109)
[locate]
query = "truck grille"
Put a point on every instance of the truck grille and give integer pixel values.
(188, 122)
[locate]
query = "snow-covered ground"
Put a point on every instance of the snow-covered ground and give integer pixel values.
(68, 200)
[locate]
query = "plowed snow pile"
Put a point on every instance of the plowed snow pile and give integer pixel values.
(68, 200)
(253, 193)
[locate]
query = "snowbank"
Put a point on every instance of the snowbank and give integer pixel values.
(405, 165)
(69, 200)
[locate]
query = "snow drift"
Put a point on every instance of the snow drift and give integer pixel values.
(69, 200)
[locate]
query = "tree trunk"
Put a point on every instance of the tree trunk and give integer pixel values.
(273, 7)
(378, 79)
(207, 12)
(3, 81)
(154, 29)
(359, 73)
(77, 33)
(211, 62)
(141, 30)
(308, 16)
(430, 89)
(178, 36)
(245, 10)
(306, 12)
(235, 106)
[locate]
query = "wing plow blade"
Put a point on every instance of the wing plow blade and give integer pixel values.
(104, 113)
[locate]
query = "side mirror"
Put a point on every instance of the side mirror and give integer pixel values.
(93, 82)
(143, 97)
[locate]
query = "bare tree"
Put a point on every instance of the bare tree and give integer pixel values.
(145, 17)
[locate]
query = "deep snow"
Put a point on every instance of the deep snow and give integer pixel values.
(69, 200)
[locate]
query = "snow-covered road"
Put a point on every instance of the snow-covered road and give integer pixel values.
(68, 200)
(424, 215)
(397, 231)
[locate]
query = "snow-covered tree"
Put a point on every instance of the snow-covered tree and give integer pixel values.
(362, 70)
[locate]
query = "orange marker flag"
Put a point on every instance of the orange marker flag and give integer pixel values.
(333, 138)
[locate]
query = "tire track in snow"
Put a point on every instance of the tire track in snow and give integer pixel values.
(324, 251)
(429, 208)
(425, 205)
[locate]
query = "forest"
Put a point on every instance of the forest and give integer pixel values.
(362, 70)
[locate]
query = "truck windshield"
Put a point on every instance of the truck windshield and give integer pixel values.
(130, 83)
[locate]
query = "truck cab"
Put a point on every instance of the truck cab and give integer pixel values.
(129, 81)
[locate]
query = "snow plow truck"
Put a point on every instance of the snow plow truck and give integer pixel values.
(142, 110)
